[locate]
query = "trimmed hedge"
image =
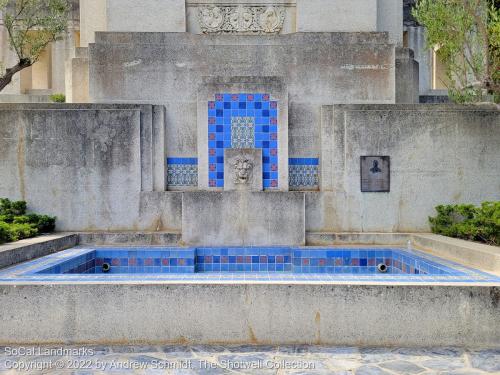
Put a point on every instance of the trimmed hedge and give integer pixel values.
(469, 222)
(16, 224)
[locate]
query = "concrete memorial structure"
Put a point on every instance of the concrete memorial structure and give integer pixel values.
(218, 143)
(234, 123)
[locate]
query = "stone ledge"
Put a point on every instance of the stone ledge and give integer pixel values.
(472, 254)
(24, 250)
(130, 238)
(352, 238)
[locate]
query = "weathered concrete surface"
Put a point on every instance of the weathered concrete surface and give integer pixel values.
(407, 77)
(94, 166)
(167, 68)
(473, 254)
(92, 19)
(129, 238)
(363, 315)
(440, 154)
(390, 19)
(336, 16)
(243, 218)
(331, 239)
(146, 15)
(30, 248)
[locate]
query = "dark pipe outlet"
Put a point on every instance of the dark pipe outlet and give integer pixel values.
(382, 268)
(106, 267)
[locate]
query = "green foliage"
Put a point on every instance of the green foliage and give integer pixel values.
(4, 232)
(466, 34)
(58, 98)
(31, 25)
(19, 231)
(469, 222)
(9, 208)
(16, 224)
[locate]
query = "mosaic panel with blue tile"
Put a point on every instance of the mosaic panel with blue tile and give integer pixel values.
(245, 120)
(182, 172)
(303, 173)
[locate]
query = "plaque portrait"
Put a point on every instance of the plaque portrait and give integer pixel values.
(375, 174)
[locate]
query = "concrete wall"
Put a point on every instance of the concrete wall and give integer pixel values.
(146, 15)
(243, 218)
(353, 315)
(407, 77)
(168, 69)
(77, 77)
(95, 167)
(92, 19)
(102, 167)
(417, 42)
(390, 19)
(439, 155)
(336, 16)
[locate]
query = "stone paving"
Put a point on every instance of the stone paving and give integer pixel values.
(247, 360)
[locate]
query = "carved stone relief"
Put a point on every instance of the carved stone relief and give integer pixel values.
(243, 171)
(241, 19)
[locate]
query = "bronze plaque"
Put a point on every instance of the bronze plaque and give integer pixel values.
(375, 174)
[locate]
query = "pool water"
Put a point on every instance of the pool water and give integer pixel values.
(248, 259)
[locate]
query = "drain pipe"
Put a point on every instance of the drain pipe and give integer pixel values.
(382, 268)
(106, 267)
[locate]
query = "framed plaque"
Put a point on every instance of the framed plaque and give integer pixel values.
(375, 174)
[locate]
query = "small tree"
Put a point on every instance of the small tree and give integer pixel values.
(31, 25)
(466, 34)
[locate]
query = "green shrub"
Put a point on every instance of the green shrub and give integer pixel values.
(16, 224)
(20, 231)
(469, 222)
(4, 232)
(8, 207)
(44, 223)
(58, 98)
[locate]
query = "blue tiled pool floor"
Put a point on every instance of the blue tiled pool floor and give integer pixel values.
(309, 265)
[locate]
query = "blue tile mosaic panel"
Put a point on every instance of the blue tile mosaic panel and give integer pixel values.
(245, 120)
(182, 172)
(133, 260)
(303, 173)
(242, 132)
(240, 259)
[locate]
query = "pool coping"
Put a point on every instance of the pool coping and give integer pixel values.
(36, 247)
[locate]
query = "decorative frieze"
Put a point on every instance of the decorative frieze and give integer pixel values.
(241, 19)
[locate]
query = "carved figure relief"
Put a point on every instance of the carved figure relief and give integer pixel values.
(241, 19)
(243, 171)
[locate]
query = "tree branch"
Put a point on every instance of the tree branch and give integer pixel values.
(10, 72)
